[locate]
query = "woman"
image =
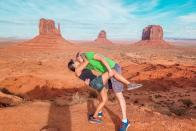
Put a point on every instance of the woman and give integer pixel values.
(96, 82)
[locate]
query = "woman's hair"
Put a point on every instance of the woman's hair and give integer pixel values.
(78, 54)
(71, 65)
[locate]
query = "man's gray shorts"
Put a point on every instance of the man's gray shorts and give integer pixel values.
(114, 84)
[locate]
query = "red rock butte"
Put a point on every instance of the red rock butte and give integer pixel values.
(153, 35)
(49, 35)
(47, 27)
(152, 32)
(102, 38)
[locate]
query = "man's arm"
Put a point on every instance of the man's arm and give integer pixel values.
(100, 58)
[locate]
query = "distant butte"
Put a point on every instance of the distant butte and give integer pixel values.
(47, 27)
(102, 38)
(49, 35)
(153, 35)
(152, 32)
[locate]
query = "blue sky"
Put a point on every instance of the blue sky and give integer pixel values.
(83, 19)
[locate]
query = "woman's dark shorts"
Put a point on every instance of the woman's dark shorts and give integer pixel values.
(97, 83)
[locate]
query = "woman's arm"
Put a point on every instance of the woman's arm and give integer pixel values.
(79, 69)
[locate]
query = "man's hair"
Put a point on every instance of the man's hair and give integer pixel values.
(71, 65)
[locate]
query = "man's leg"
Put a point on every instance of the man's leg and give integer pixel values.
(122, 102)
(118, 87)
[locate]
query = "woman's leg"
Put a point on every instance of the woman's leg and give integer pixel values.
(120, 78)
(103, 93)
(104, 98)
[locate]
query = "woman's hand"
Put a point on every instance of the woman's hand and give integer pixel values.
(85, 60)
(111, 73)
(87, 81)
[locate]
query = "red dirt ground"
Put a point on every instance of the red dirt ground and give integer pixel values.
(38, 92)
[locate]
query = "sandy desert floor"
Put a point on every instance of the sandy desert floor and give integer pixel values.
(38, 92)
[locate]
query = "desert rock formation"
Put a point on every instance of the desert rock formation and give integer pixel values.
(102, 38)
(47, 27)
(152, 32)
(8, 99)
(153, 35)
(49, 36)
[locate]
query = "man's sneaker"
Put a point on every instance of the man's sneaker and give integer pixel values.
(94, 120)
(100, 114)
(124, 126)
(132, 86)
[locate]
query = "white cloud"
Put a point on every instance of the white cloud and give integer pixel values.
(190, 18)
(83, 19)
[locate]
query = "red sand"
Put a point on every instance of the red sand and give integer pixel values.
(39, 76)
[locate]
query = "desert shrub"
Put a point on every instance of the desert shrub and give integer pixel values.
(157, 96)
(169, 74)
(178, 111)
(163, 110)
(76, 98)
(168, 113)
(93, 94)
(187, 102)
(150, 68)
(142, 104)
(136, 101)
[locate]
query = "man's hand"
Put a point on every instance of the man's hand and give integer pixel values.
(87, 82)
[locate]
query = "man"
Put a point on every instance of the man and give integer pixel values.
(102, 65)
